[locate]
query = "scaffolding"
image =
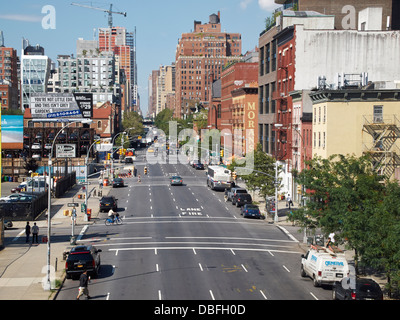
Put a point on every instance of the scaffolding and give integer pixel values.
(385, 154)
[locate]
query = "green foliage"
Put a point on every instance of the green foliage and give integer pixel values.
(162, 120)
(347, 197)
(262, 178)
(134, 122)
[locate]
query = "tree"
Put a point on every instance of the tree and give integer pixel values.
(162, 120)
(134, 122)
(262, 175)
(349, 198)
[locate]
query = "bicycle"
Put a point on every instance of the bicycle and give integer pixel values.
(116, 220)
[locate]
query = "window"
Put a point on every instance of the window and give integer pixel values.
(99, 124)
(378, 114)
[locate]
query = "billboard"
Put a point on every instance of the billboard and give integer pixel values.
(61, 105)
(12, 136)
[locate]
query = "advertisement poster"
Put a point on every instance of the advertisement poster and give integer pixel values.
(12, 132)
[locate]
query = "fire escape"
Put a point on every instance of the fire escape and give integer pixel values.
(384, 132)
(283, 121)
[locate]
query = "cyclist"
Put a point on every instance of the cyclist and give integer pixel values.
(111, 215)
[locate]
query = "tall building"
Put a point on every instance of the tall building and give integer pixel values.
(165, 85)
(200, 58)
(347, 12)
(8, 76)
(35, 72)
(305, 50)
(89, 73)
(123, 44)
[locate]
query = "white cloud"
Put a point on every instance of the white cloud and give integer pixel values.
(21, 17)
(244, 4)
(268, 5)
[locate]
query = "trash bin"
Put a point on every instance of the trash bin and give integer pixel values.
(66, 213)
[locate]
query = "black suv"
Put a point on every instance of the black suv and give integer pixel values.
(240, 199)
(356, 289)
(107, 203)
(83, 258)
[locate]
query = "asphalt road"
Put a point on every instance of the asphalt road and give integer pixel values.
(186, 243)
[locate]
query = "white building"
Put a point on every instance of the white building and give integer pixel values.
(35, 72)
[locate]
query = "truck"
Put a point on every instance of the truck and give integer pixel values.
(219, 178)
(324, 265)
(230, 193)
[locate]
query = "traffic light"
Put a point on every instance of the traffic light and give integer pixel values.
(108, 156)
(234, 176)
(221, 153)
(145, 170)
(298, 189)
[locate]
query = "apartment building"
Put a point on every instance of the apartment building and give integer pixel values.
(95, 74)
(200, 58)
(35, 72)
(123, 44)
(9, 83)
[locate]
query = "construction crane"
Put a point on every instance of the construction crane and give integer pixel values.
(110, 12)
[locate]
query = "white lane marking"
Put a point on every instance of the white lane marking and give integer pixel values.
(262, 293)
(286, 268)
(159, 295)
(212, 296)
(201, 268)
(244, 268)
(288, 234)
(314, 296)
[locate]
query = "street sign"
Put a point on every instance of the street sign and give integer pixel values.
(73, 204)
(65, 150)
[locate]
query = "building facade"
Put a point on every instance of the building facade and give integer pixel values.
(35, 72)
(200, 58)
(357, 122)
(9, 84)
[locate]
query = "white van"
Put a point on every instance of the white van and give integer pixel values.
(324, 265)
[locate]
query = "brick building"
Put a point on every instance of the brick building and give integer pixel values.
(8, 78)
(200, 58)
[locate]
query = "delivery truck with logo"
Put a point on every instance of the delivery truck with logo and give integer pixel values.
(324, 265)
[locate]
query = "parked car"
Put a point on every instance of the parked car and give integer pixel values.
(176, 181)
(8, 224)
(83, 258)
(240, 199)
(356, 289)
(36, 146)
(19, 188)
(117, 182)
(198, 166)
(233, 192)
(107, 203)
(250, 211)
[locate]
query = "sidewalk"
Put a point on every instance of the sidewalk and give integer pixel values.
(23, 267)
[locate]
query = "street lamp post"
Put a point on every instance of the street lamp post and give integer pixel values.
(47, 285)
(86, 178)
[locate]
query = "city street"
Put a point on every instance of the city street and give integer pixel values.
(186, 243)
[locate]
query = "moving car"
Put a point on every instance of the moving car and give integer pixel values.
(8, 224)
(107, 203)
(356, 289)
(250, 211)
(117, 182)
(240, 199)
(83, 258)
(233, 192)
(176, 181)
(198, 165)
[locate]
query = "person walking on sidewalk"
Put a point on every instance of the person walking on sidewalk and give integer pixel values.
(83, 285)
(35, 232)
(27, 231)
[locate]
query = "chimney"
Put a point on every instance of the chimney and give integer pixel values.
(219, 16)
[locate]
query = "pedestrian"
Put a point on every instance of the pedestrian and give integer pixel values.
(73, 216)
(83, 285)
(35, 233)
(100, 183)
(27, 231)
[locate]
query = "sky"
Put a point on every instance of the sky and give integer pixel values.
(56, 25)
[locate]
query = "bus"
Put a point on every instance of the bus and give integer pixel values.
(219, 178)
